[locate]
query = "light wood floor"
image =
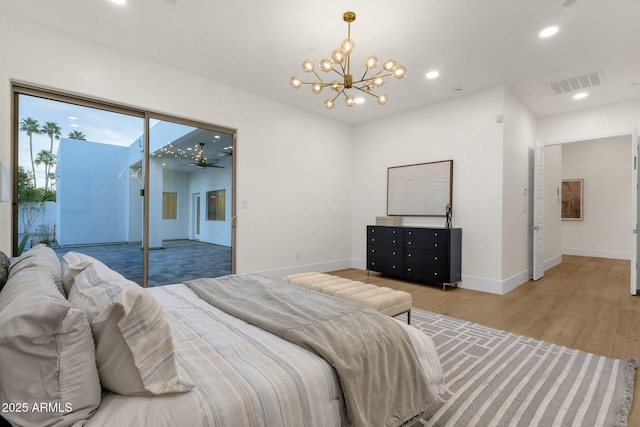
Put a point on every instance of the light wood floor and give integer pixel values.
(583, 303)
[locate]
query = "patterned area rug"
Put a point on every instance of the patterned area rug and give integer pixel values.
(496, 378)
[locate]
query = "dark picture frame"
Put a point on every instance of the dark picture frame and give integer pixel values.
(573, 199)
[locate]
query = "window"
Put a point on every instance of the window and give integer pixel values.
(215, 205)
(169, 205)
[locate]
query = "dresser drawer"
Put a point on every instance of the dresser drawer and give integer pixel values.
(385, 241)
(384, 231)
(426, 256)
(382, 265)
(387, 252)
(431, 273)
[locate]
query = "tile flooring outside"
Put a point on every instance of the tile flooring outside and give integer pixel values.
(177, 262)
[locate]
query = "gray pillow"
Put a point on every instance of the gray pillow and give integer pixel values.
(4, 269)
(40, 256)
(134, 344)
(47, 353)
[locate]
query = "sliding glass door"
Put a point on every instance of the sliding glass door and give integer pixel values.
(85, 183)
(190, 203)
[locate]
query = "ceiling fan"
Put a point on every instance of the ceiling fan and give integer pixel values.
(201, 160)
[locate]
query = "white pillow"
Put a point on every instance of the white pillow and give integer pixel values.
(44, 257)
(134, 343)
(71, 265)
(47, 354)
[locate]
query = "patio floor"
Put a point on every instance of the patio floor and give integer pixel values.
(179, 261)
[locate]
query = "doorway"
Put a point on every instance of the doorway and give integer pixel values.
(605, 166)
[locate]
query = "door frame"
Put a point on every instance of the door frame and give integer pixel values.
(630, 133)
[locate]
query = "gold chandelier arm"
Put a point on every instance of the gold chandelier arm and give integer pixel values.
(318, 77)
(364, 91)
(373, 77)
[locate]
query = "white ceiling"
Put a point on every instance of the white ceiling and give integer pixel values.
(257, 45)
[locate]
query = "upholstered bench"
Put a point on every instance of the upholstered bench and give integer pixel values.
(386, 300)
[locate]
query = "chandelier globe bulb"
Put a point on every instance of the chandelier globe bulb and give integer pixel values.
(326, 65)
(308, 66)
(371, 62)
(388, 64)
(295, 82)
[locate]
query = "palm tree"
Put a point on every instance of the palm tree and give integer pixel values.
(48, 159)
(53, 130)
(31, 126)
(76, 134)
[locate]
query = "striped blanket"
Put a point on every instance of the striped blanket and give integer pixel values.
(370, 352)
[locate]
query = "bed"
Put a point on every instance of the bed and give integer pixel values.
(95, 349)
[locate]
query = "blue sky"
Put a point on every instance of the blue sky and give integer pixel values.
(98, 126)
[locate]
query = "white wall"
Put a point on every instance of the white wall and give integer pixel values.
(465, 130)
(519, 130)
(605, 166)
(293, 167)
(89, 186)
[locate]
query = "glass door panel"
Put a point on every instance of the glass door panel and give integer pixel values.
(190, 203)
(79, 175)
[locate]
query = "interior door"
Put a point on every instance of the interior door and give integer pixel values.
(196, 216)
(538, 212)
(634, 211)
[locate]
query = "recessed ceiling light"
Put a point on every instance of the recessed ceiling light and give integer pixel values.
(548, 32)
(581, 95)
(118, 1)
(433, 74)
(360, 100)
(73, 125)
(72, 118)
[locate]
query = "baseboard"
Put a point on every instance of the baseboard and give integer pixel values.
(552, 262)
(499, 287)
(596, 253)
(473, 283)
(322, 267)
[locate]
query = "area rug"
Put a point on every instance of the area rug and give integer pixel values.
(496, 378)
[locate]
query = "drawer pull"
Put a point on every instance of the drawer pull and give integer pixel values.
(435, 245)
(393, 253)
(394, 231)
(373, 251)
(394, 267)
(435, 234)
(373, 230)
(435, 274)
(435, 258)
(394, 242)
(408, 269)
(408, 243)
(410, 233)
(409, 255)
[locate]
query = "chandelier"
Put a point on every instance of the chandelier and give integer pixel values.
(340, 63)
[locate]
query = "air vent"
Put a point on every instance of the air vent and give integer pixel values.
(576, 83)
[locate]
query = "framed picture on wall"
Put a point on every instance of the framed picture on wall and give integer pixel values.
(572, 199)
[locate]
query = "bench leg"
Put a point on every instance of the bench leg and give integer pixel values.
(409, 317)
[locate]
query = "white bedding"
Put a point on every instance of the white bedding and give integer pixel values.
(243, 375)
